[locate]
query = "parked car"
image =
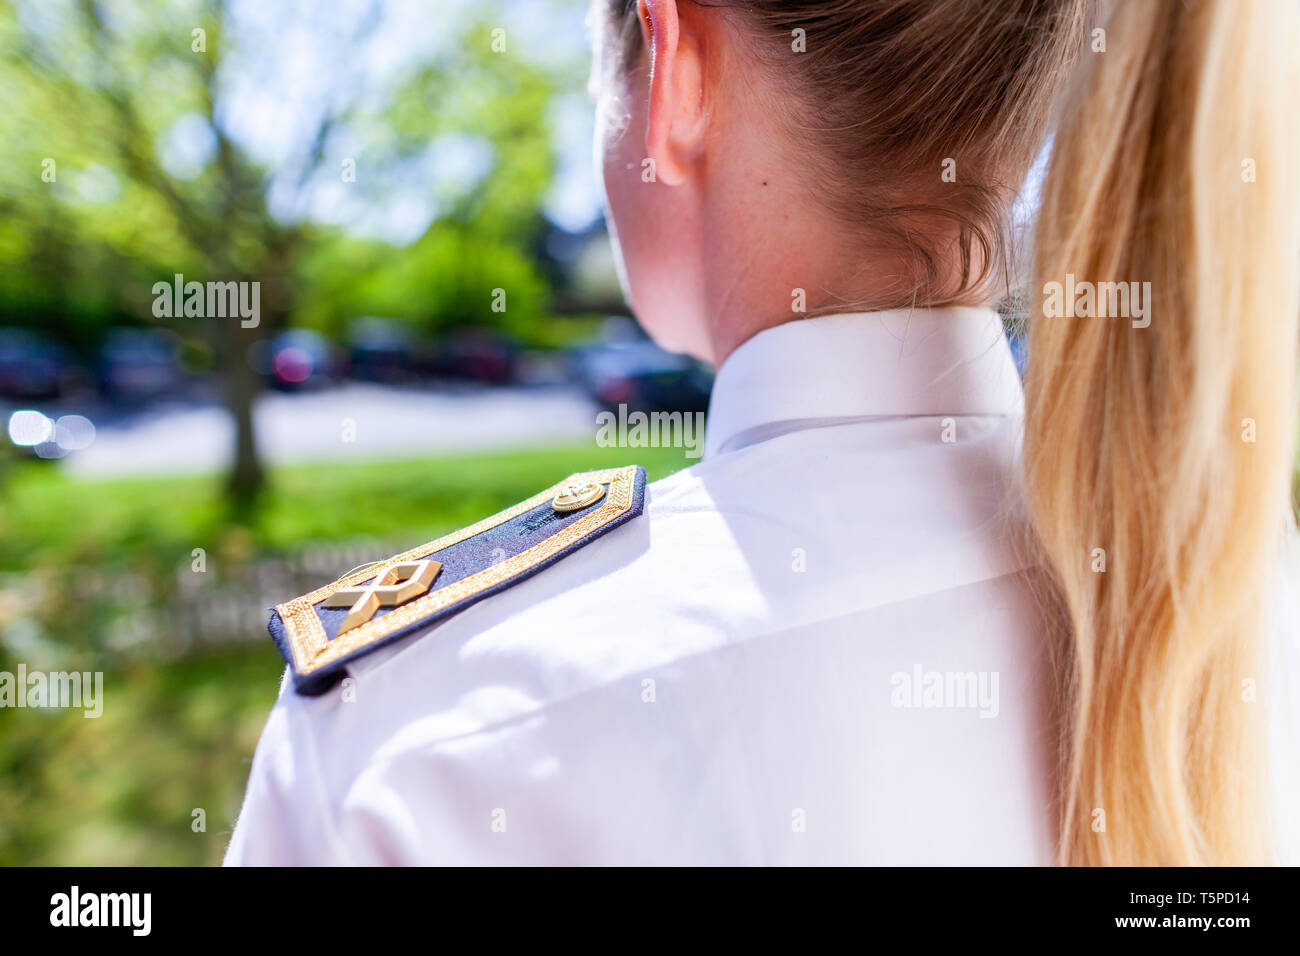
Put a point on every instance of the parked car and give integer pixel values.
(480, 355)
(139, 363)
(32, 366)
(381, 350)
(643, 376)
(302, 359)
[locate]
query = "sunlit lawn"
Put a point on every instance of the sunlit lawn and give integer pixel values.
(176, 736)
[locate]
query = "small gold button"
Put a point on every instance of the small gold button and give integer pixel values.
(577, 496)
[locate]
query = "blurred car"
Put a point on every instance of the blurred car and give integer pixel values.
(380, 350)
(302, 359)
(642, 376)
(139, 363)
(32, 366)
(480, 355)
(589, 360)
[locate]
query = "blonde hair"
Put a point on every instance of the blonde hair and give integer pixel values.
(1157, 458)
(1169, 447)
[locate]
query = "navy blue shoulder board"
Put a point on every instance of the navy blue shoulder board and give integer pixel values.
(320, 632)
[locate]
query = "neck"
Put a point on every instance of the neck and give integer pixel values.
(802, 269)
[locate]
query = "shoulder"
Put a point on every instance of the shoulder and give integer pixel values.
(542, 614)
(551, 604)
(427, 712)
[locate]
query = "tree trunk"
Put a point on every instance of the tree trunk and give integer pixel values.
(247, 477)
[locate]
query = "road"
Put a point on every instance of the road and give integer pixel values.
(352, 421)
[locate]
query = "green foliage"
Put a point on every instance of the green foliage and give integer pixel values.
(121, 789)
(446, 280)
(86, 247)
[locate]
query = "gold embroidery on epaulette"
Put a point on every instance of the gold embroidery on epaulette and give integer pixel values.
(311, 647)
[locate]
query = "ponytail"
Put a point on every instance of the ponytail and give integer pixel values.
(1159, 447)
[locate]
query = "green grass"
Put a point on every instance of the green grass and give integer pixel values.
(47, 518)
(177, 735)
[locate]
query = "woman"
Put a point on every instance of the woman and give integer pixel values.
(901, 613)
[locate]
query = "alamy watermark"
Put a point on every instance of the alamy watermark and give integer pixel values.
(212, 300)
(1101, 300)
(955, 690)
(639, 429)
(56, 689)
(75, 908)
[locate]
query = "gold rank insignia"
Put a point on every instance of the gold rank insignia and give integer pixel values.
(370, 606)
(395, 584)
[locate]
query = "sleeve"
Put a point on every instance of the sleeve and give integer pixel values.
(286, 819)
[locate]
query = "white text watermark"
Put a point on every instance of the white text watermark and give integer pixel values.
(75, 908)
(1101, 300)
(956, 690)
(55, 689)
(639, 429)
(212, 300)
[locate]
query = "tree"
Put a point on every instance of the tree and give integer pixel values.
(148, 115)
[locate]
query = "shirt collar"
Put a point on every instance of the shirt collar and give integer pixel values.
(904, 362)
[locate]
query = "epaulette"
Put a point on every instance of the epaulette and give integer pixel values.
(321, 632)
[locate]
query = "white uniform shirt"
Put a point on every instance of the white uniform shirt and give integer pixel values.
(818, 645)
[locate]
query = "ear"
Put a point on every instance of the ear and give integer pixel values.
(676, 122)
